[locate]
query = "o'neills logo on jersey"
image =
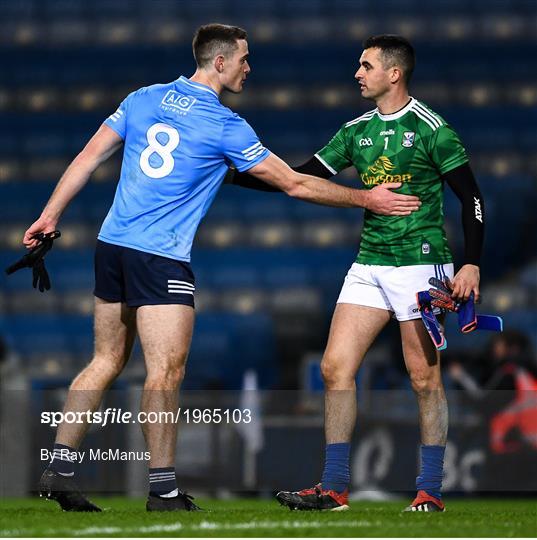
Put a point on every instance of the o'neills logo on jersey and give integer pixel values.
(381, 172)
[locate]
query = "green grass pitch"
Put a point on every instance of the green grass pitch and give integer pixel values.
(248, 517)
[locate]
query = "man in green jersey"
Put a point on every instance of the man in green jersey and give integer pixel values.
(401, 140)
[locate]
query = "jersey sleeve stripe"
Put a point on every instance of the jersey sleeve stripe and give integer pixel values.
(366, 116)
(430, 112)
(250, 148)
(252, 152)
(424, 118)
(426, 113)
(116, 116)
(429, 115)
(331, 169)
(255, 154)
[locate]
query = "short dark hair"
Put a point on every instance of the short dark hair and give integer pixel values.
(395, 51)
(213, 39)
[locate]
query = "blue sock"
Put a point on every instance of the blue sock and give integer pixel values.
(162, 481)
(337, 473)
(61, 460)
(432, 470)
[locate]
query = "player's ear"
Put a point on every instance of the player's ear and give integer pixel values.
(395, 75)
(219, 63)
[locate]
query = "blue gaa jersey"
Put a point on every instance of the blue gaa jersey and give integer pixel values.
(179, 142)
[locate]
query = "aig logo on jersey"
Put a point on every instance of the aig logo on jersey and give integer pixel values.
(366, 142)
(177, 102)
(408, 139)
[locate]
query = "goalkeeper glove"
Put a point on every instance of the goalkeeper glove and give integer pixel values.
(469, 321)
(35, 259)
(441, 295)
(433, 327)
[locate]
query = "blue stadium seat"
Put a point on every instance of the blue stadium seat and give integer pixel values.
(225, 345)
(71, 270)
(227, 276)
(282, 275)
(18, 281)
(31, 335)
(78, 331)
(18, 205)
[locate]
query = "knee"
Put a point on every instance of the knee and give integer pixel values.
(165, 378)
(108, 367)
(424, 383)
(334, 375)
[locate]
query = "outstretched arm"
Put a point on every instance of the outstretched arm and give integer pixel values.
(380, 200)
(312, 167)
(463, 183)
(100, 147)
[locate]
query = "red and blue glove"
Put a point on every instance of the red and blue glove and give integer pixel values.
(439, 296)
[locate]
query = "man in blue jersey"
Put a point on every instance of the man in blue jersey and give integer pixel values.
(179, 141)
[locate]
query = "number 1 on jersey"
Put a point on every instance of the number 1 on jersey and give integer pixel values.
(164, 151)
(386, 139)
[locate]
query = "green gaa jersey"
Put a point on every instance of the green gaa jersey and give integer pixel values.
(414, 146)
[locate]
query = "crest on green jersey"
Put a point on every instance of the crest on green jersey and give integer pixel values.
(408, 139)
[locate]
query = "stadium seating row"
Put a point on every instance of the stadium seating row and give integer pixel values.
(244, 298)
(222, 348)
(284, 236)
(138, 8)
(224, 345)
(41, 78)
(237, 204)
(247, 279)
(255, 220)
(504, 163)
(233, 267)
(77, 96)
(159, 28)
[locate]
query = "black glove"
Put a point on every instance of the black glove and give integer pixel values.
(35, 259)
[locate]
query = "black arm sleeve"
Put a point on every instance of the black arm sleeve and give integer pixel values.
(313, 167)
(463, 183)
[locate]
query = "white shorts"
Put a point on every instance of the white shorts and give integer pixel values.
(392, 288)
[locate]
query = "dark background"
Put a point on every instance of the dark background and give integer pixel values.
(268, 268)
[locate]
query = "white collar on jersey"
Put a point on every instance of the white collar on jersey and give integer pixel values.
(399, 113)
(197, 85)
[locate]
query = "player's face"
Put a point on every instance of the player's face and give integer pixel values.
(371, 76)
(236, 68)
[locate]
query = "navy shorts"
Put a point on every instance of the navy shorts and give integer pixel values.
(138, 278)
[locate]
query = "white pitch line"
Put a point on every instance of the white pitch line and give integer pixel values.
(214, 526)
(202, 526)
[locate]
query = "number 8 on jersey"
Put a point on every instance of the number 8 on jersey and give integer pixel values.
(164, 151)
